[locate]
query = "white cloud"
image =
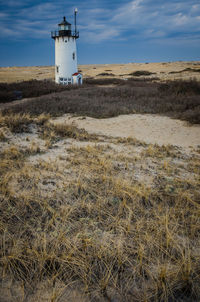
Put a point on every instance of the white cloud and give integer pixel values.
(12, 3)
(43, 11)
(128, 13)
(180, 19)
(140, 19)
(148, 17)
(94, 37)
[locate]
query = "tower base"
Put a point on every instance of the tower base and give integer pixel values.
(75, 79)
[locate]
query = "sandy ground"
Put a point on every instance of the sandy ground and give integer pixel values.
(149, 128)
(164, 71)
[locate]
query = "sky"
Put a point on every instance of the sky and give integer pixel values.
(111, 31)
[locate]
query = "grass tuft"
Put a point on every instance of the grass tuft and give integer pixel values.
(54, 131)
(16, 122)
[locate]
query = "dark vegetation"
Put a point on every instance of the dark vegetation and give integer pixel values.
(140, 73)
(181, 88)
(103, 81)
(185, 70)
(105, 74)
(28, 89)
(179, 99)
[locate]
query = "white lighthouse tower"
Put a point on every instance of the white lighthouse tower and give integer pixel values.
(66, 70)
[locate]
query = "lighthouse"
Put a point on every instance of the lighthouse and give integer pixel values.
(66, 70)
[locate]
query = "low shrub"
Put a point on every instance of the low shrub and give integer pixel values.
(140, 73)
(185, 70)
(52, 131)
(16, 122)
(107, 81)
(28, 89)
(177, 87)
(179, 99)
(105, 74)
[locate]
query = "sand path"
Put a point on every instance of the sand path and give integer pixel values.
(149, 128)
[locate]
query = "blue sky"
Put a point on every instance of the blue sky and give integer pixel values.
(110, 31)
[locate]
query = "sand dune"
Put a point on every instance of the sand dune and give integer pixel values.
(149, 128)
(164, 71)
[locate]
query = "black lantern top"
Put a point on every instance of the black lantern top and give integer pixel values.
(64, 30)
(64, 23)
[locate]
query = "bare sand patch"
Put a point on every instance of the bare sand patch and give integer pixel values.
(150, 128)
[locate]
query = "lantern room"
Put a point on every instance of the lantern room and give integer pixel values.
(64, 26)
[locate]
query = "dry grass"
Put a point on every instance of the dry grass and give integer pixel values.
(53, 132)
(165, 71)
(20, 122)
(3, 133)
(16, 122)
(115, 225)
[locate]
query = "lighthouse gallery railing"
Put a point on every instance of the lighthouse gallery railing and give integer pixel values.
(64, 33)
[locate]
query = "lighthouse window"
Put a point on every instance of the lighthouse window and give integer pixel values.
(57, 69)
(73, 55)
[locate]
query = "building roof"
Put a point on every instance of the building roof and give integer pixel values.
(64, 22)
(76, 73)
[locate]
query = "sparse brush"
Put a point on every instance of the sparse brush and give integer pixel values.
(54, 131)
(4, 133)
(42, 119)
(34, 148)
(128, 96)
(48, 142)
(161, 151)
(130, 141)
(12, 152)
(16, 122)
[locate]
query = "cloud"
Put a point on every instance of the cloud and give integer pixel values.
(3, 15)
(96, 37)
(180, 19)
(149, 17)
(100, 20)
(44, 11)
(11, 3)
(127, 12)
